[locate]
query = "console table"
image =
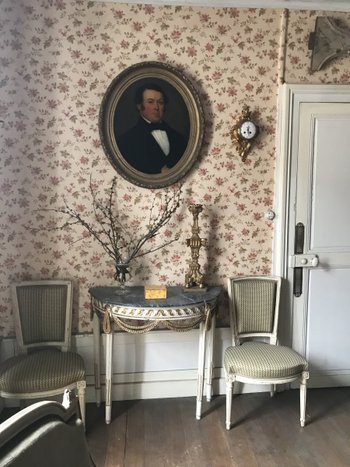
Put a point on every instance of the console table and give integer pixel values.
(131, 312)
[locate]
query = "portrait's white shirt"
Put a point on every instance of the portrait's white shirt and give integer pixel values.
(162, 139)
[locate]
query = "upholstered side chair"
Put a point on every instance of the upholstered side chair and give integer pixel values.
(44, 366)
(255, 356)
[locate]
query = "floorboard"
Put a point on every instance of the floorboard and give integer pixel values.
(265, 432)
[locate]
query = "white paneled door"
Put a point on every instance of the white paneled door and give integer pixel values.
(317, 250)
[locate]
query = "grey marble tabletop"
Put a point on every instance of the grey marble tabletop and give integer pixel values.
(134, 296)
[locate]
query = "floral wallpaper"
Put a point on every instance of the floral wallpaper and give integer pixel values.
(57, 59)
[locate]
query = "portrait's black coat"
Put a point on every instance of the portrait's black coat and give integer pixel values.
(141, 150)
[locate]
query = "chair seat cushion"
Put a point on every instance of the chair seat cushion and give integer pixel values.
(260, 360)
(41, 371)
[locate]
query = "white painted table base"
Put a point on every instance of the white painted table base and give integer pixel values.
(111, 310)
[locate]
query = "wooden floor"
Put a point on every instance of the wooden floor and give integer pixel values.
(266, 432)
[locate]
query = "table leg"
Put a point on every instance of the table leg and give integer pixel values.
(201, 360)
(209, 358)
(97, 357)
(109, 354)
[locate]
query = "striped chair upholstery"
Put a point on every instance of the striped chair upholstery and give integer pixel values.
(45, 366)
(254, 310)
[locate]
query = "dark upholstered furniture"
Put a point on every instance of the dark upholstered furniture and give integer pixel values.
(45, 434)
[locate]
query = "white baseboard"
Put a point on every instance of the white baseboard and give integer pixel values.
(161, 364)
(329, 379)
(158, 364)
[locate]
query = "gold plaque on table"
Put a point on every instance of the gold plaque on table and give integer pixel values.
(155, 291)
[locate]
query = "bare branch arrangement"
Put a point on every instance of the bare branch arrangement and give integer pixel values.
(110, 231)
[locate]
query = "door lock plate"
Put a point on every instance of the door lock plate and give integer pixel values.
(303, 261)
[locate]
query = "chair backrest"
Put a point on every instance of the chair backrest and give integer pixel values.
(43, 313)
(254, 307)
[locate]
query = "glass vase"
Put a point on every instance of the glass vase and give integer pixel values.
(121, 271)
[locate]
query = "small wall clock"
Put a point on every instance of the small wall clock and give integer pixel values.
(244, 133)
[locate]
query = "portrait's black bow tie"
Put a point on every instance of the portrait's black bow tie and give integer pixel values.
(156, 126)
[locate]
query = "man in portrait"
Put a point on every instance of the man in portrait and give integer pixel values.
(151, 146)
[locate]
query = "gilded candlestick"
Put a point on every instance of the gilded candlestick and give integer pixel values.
(194, 279)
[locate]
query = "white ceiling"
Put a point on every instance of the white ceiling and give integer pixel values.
(326, 5)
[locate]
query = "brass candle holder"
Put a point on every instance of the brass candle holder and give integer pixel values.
(194, 279)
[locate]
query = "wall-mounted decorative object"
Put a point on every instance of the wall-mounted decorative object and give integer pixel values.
(151, 124)
(194, 279)
(328, 41)
(244, 133)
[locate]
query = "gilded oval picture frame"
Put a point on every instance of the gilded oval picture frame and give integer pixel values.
(151, 124)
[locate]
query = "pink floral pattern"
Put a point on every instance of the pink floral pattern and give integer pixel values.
(57, 59)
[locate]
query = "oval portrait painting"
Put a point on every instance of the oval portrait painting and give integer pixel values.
(151, 124)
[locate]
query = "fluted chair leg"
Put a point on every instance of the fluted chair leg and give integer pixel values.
(81, 385)
(303, 390)
(229, 387)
